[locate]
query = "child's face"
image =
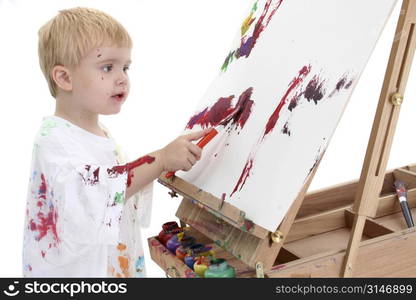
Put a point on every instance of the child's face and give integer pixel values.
(100, 83)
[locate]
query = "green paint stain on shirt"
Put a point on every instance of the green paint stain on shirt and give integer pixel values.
(119, 198)
(47, 125)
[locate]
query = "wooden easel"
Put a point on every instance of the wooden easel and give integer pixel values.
(379, 145)
(254, 248)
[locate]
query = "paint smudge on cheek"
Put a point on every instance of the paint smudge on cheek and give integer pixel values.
(118, 170)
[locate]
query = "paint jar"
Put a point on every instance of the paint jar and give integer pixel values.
(219, 268)
(196, 251)
(185, 243)
(178, 240)
(201, 265)
(168, 230)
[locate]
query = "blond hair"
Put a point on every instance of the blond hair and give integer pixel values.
(70, 35)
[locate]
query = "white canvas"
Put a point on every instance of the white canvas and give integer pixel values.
(300, 74)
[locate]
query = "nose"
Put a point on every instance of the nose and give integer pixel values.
(122, 79)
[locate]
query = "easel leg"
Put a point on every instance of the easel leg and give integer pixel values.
(353, 245)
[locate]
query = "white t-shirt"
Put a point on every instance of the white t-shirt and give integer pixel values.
(78, 223)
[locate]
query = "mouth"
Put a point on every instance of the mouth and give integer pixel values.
(118, 97)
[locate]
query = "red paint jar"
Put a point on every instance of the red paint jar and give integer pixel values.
(168, 230)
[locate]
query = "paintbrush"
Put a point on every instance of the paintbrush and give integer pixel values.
(402, 195)
(212, 133)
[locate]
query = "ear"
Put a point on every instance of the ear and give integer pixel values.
(62, 77)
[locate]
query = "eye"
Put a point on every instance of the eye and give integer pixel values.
(126, 68)
(107, 68)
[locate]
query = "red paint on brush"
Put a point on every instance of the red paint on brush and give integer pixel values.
(243, 177)
(117, 170)
(294, 84)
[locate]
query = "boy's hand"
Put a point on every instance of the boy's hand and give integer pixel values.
(182, 154)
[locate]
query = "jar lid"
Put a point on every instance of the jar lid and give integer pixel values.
(168, 226)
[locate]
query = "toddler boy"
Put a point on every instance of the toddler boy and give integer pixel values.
(85, 204)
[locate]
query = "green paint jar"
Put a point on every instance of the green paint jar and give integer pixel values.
(219, 268)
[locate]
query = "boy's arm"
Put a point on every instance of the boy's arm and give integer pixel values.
(181, 154)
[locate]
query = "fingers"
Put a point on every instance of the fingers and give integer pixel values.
(191, 159)
(197, 134)
(187, 166)
(195, 150)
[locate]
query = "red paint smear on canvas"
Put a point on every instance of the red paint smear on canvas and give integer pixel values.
(247, 46)
(243, 177)
(294, 84)
(214, 115)
(304, 71)
(343, 83)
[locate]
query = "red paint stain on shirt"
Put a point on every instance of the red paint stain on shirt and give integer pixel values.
(117, 170)
(45, 224)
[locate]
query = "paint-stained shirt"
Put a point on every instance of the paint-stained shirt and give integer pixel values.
(78, 222)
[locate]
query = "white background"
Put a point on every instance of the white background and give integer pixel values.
(178, 46)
